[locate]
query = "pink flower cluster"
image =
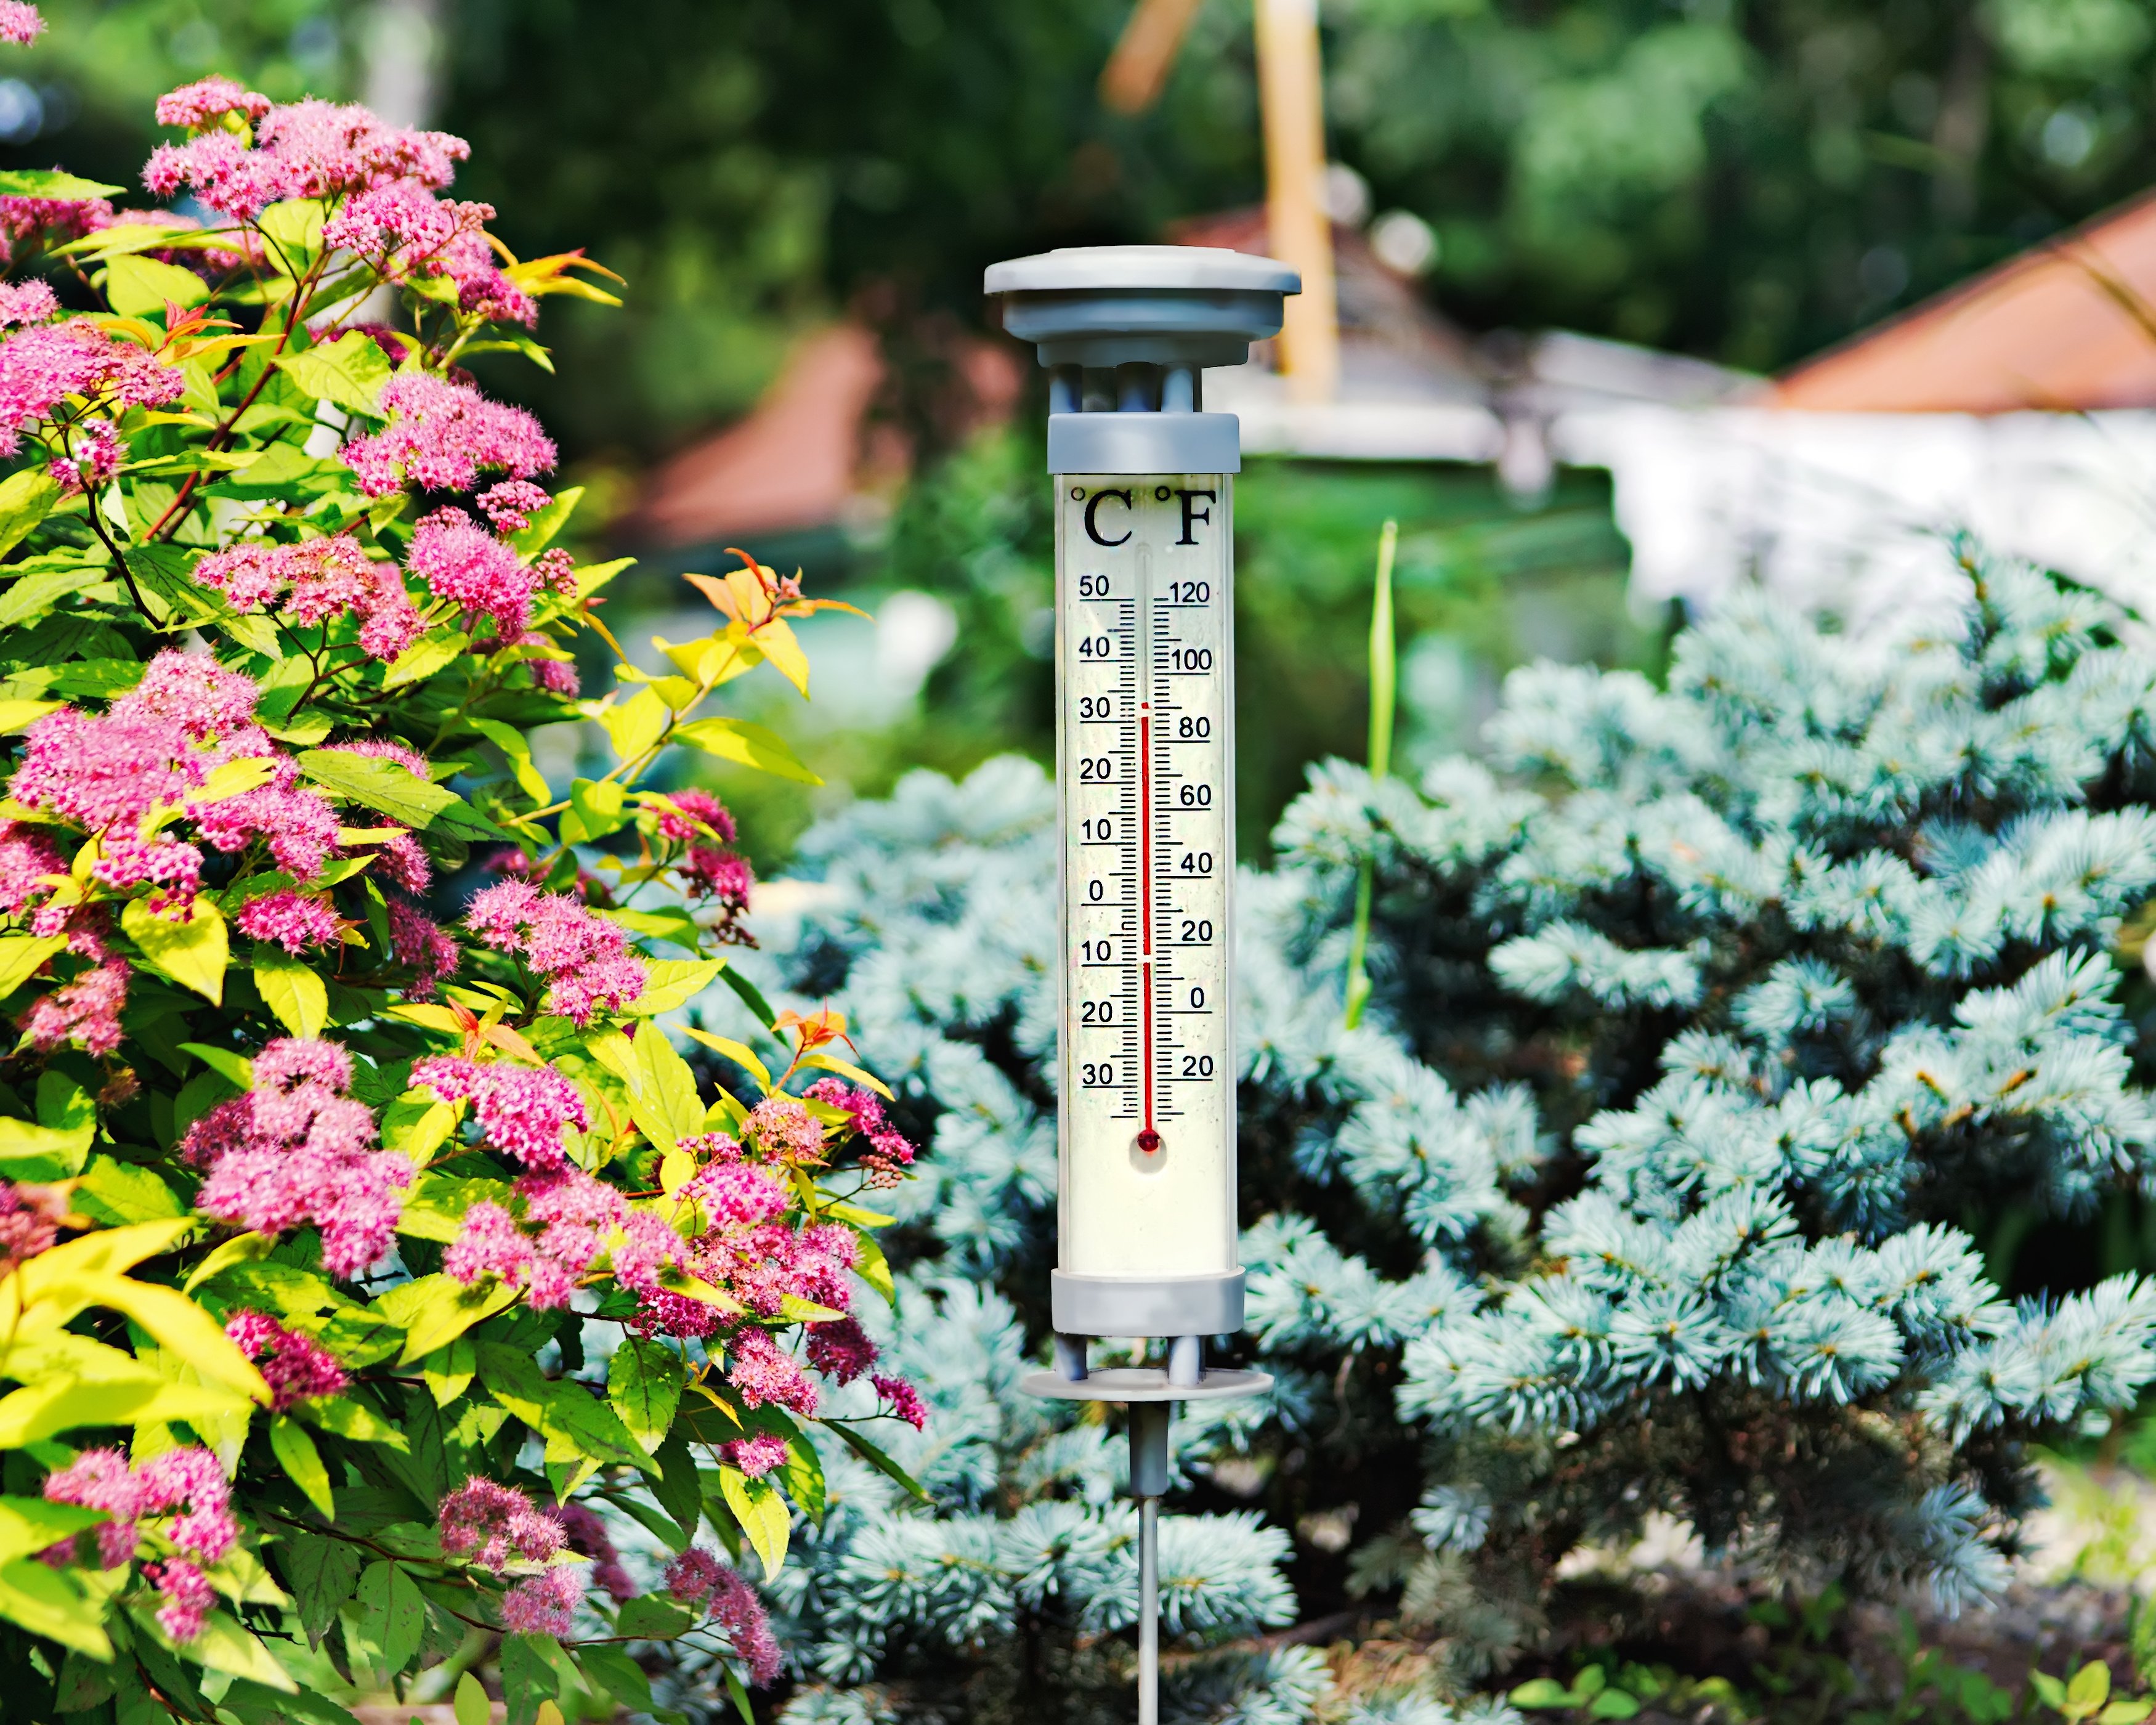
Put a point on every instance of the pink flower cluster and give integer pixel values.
(405, 231)
(23, 302)
(323, 579)
(29, 1219)
(841, 1350)
(19, 22)
(295, 1368)
(45, 365)
(510, 505)
(542, 1605)
(296, 1150)
(153, 748)
(89, 457)
(441, 436)
(486, 1522)
(906, 1403)
(422, 944)
(305, 149)
(587, 1534)
(574, 1214)
(888, 1151)
(27, 857)
(295, 920)
(59, 219)
(464, 564)
(781, 1128)
(187, 1480)
(85, 1012)
(758, 1455)
(698, 1577)
(522, 1110)
(584, 957)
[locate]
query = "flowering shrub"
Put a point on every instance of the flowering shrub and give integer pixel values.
(372, 1257)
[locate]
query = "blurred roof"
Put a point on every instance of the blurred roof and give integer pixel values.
(2067, 326)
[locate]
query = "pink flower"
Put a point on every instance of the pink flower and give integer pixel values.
(841, 1349)
(294, 1150)
(905, 1400)
(574, 1214)
(388, 748)
(664, 1314)
(588, 1534)
(781, 1128)
(27, 858)
(193, 691)
(757, 1456)
(698, 1577)
(584, 957)
(186, 1480)
(403, 861)
(305, 149)
(59, 219)
(522, 1110)
(734, 1195)
(762, 1373)
(188, 1596)
(556, 677)
(295, 920)
(461, 562)
(85, 1012)
(19, 22)
(45, 365)
(93, 459)
(210, 99)
(510, 505)
(295, 1368)
(889, 1150)
(422, 945)
(26, 301)
(485, 1521)
(442, 435)
(29, 1220)
(325, 578)
(489, 1243)
(694, 806)
(542, 1604)
(300, 826)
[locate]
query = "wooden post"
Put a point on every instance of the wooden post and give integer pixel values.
(1290, 93)
(1130, 82)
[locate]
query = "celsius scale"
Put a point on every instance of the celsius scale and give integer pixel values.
(1144, 477)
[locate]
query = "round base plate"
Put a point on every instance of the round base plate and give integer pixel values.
(1144, 1383)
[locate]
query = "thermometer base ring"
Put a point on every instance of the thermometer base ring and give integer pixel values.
(1145, 1383)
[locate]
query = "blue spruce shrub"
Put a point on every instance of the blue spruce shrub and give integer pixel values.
(1708, 1022)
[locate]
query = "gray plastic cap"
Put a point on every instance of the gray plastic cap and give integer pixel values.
(1155, 305)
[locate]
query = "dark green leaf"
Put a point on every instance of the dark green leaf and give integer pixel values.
(648, 1619)
(612, 1669)
(528, 1675)
(751, 996)
(322, 1572)
(680, 1492)
(391, 1615)
(876, 1457)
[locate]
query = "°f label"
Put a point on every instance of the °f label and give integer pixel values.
(1144, 628)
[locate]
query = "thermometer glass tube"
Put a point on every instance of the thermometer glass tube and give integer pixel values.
(1144, 628)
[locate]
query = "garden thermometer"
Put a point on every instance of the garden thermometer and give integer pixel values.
(1146, 1214)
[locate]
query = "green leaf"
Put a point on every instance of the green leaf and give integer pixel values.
(873, 1267)
(668, 982)
(649, 1618)
(1612, 1704)
(678, 1490)
(527, 1675)
(635, 724)
(393, 1614)
(35, 594)
(472, 1707)
(43, 1152)
(804, 1474)
(117, 1193)
(613, 1671)
(257, 1704)
(448, 1371)
(597, 807)
(512, 744)
(750, 745)
(142, 287)
(435, 650)
(51, 182)
(346, 1416)
(749, 994)
(539, 531)
(2125, 1712)
(558, 1409)
(295, 223)
(663, 1099)
(876, 1457)
(322, 1572)
(1541, 1692)
(348, 372)
(436, 1205)
(643, 1382)
(234, 1067)
(302, 1462)
(434, 1310)
(26, 498)
(28, 1525)
(289, 989)
(191, 953)
(386, 785)
(48, 1603)
(2090, 1687)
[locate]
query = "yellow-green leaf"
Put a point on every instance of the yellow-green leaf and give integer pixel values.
(436, 1310)
(26, 498)
(847, 1068)
(193, 953)
(739, 1053)
(472, 1707)
(2090, 1686)
(43, 1152)
(22, 956)
(762, 1513)
(435, 650)
(449, 1370)
(19, 714)
(750, 745)
(142, 287)
(668, 982)
(348, 372)
(46, 1603)
(634, 724)
(644, 1383)
(302, 1463)
(518, 752)
(290, 988)
(224, 1646)
(776, 636)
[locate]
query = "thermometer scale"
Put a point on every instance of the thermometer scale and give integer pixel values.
(1145, 1222)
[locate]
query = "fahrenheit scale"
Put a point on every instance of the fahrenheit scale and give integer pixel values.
(1147, 701)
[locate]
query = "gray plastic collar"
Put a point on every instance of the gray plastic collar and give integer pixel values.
(1091, 268)
(1146, 1305)
(1144, 442)
(1150, 305)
